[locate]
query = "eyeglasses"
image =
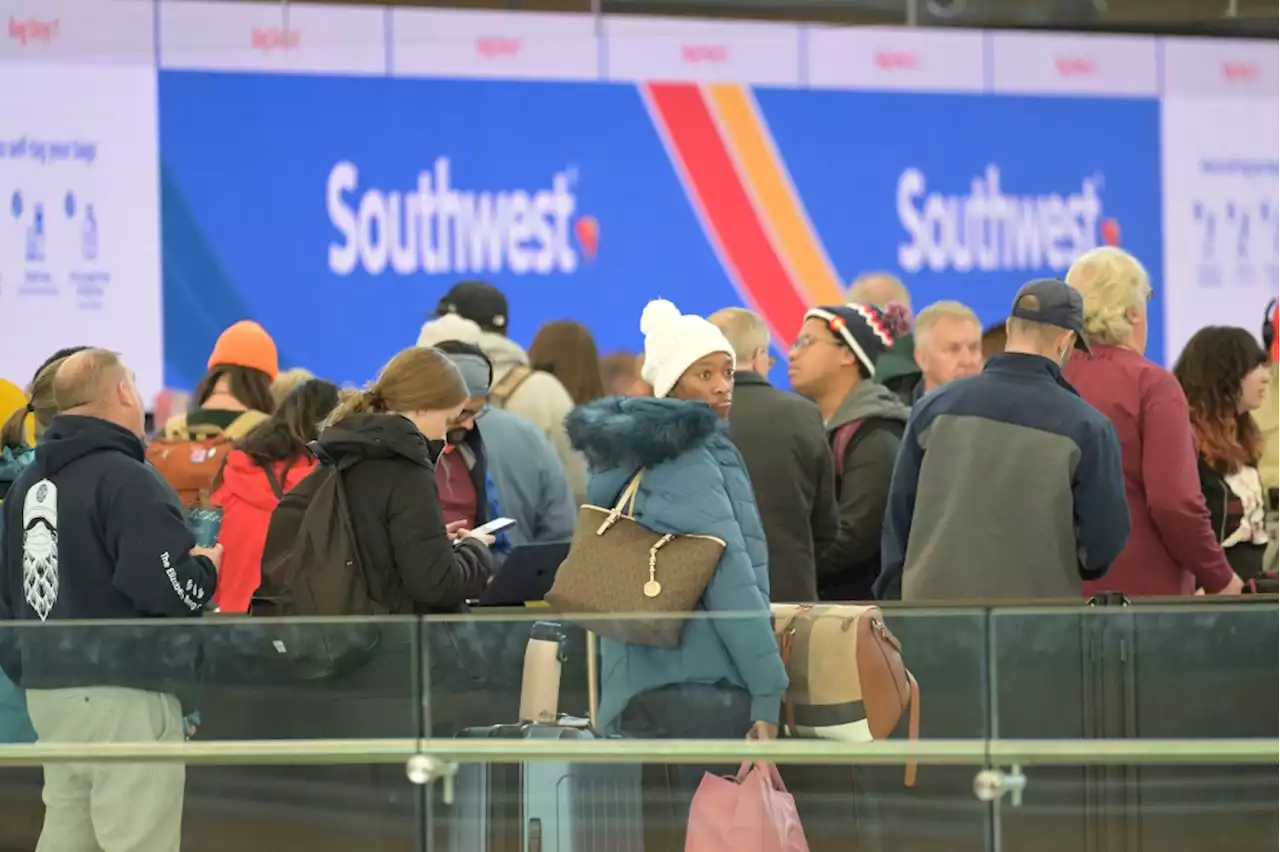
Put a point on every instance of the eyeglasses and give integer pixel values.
(804, 341)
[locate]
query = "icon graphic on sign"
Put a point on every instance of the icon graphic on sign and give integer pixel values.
(89, 234)
(35, 235)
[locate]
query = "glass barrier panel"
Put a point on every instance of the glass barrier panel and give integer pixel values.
(221, 679)
(476, 676)
(1174, 672)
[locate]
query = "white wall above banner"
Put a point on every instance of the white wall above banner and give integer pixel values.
(285, 37)
(665, 49)
(454, 43)
(896, 58)
(82, 32)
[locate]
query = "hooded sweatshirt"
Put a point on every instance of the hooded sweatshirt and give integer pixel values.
(694, 482)
(851, 563)
(92, 532)
(247, 500)
(897, 369)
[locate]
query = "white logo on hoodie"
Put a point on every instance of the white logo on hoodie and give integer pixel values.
(40, 547)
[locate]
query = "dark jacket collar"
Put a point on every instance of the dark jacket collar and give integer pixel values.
(1029, 366)
(748, 377)
(375, 436)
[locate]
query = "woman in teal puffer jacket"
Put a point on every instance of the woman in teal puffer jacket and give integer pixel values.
(726, 678)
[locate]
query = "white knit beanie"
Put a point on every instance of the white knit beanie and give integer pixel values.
(673, 342)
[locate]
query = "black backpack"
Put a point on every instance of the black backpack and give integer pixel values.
(314, 569)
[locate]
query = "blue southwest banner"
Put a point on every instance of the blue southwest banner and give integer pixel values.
(355, 202)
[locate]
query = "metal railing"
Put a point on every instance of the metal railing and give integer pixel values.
(437, 760)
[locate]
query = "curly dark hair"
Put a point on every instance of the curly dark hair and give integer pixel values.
(1211, 369)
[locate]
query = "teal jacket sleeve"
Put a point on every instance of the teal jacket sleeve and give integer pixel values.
(745, 626)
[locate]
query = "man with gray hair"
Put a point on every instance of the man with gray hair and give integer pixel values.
(948, 345)
(896, 369)
(1008, 485)
(784, 445)
(92, 532)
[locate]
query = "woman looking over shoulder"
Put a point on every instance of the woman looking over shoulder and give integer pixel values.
(725, 679)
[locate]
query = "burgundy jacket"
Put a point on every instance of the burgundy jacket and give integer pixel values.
(1172, 547)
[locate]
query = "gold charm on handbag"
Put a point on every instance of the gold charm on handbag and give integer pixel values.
(653, 588)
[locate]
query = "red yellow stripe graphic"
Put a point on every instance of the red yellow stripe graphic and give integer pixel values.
(741, 187)
(776, 197)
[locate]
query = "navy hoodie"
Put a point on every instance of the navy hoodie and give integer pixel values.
(91, 531)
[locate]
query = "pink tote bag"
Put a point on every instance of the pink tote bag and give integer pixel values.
(750, 813)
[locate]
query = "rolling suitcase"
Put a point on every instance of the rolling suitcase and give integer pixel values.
(542, 806)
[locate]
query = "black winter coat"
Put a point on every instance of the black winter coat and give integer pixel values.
(782, 441)
(411, 564)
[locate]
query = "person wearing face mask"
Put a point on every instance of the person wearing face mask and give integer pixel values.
(386, 441)
(1008, 484)
(1172, 549)
(725, 678)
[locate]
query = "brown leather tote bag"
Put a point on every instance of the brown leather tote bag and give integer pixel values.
(618, 566)
(848, 680)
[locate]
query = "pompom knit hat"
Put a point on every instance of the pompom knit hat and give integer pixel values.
(246, 344)
(865, 329)
(673, 342)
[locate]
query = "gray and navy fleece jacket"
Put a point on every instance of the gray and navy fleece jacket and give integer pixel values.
(1007, 485)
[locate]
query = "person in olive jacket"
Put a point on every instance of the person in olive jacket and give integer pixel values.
(385, 440)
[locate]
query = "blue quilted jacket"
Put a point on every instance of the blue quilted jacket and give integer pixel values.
(694, 482)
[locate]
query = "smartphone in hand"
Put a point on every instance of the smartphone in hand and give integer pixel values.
(205, 522)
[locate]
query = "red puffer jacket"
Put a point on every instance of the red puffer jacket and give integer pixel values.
(247, 500)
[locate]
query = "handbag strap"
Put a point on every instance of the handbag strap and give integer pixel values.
(627, 499)
(913, 729)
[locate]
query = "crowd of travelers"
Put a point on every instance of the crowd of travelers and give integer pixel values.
(917, 457)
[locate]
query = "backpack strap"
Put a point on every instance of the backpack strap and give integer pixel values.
(278, 482)
(243, 425)
(840, 442)
(510, 383)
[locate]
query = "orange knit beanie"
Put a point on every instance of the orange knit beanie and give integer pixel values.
(246, 344)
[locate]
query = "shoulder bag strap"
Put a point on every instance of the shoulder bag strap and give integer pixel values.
(626, 504)
(510, 383)
(276, 482)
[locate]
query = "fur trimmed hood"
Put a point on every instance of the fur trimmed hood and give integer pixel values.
(641, 431)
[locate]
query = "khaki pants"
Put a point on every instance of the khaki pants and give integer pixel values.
(109, 807)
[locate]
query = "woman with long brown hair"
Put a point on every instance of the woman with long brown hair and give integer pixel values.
(567, 350)
(1224, 373)
(265, 464)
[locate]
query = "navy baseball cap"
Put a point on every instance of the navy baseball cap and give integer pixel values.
(1052, 302)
